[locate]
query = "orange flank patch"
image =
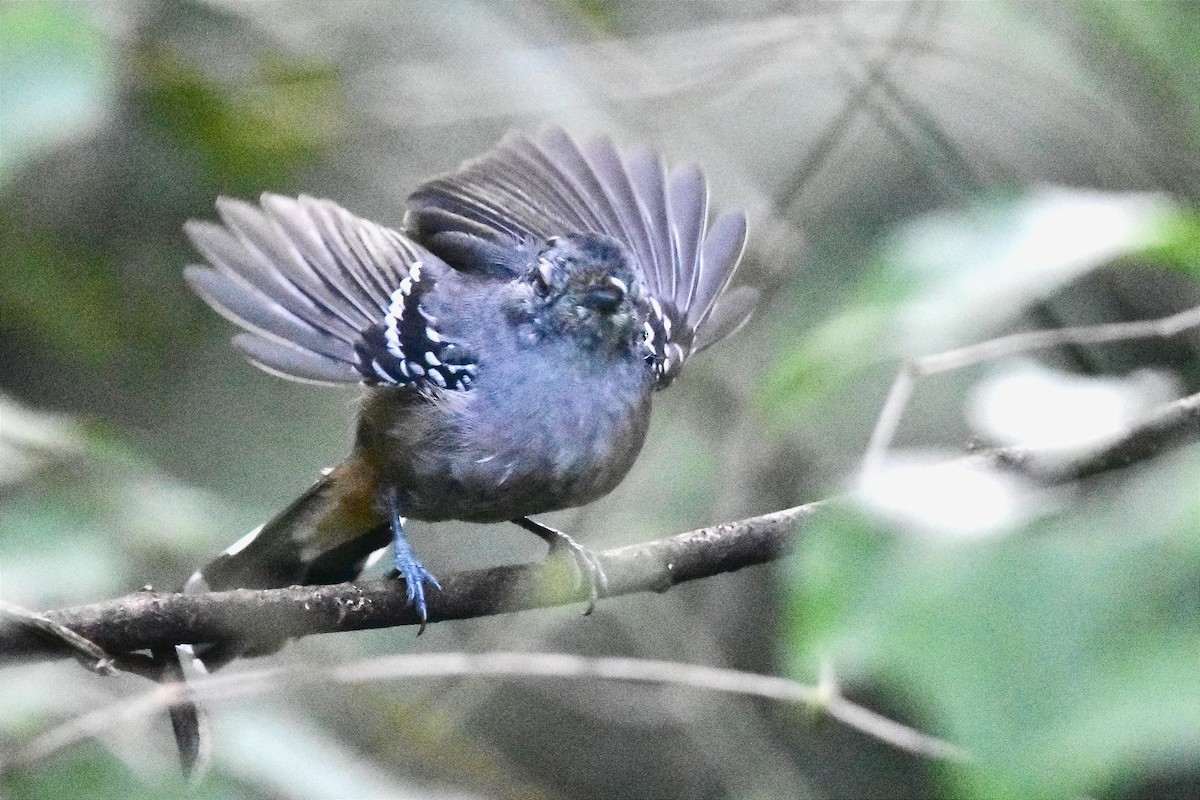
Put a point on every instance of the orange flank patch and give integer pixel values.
(352, 489)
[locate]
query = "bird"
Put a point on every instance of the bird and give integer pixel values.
(509, 337)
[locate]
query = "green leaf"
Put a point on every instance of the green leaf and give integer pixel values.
(1177, 244)
(1064, 659)
(950, 278)
(251, 132)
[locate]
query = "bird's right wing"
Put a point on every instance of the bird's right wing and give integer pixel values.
(324, 296)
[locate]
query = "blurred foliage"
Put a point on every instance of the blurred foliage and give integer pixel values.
(1178, 243)
(941, 276)
(252, 132)
(895, 160)
(61, 475)
(90, 773)
(56, 71)
(1059, 655)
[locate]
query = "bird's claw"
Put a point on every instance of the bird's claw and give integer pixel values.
(583, 561)
(585, 565)
(416, 577)
(407, 566)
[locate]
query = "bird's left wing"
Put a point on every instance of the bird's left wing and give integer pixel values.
(325, 296)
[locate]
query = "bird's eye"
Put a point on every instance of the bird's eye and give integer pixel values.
(605, 299)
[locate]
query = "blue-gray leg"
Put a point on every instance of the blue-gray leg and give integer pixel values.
(415, 575)
(583, 560)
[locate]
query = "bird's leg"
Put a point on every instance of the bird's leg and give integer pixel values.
(415, 575)
(583, 560)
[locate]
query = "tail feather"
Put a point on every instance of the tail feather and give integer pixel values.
(325, 536)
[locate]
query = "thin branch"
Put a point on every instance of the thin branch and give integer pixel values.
(522, 665)
(1023, 342)
(60, 637)
(1027, 341)
(1171, 426)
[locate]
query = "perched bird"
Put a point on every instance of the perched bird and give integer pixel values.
(509, 336)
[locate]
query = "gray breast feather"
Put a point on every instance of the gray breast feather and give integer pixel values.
(530, 438)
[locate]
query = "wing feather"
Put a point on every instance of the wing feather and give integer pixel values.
(603, 157)
(649, 177)
(322, 293)
(730, 313)
(687, 207)
(565, 154)
(244, 305)
(294, 363)
(722, 250)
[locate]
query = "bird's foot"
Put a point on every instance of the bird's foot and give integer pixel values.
(585, 563)
(407, 566)
(416, 578)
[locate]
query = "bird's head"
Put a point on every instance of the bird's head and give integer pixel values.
(584, 286)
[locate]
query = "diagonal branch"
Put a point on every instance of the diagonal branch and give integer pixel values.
(1012, 344)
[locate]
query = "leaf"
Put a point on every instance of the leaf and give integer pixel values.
(955, 277)
(1064, 658)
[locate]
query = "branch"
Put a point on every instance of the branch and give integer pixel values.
(1023, 342)
(146, 620)
(157, 621)
(823, 697)
(1171, 426)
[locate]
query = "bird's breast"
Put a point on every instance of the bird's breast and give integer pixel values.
(535, 433)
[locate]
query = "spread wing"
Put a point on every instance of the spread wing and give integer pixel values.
(324, 296)
(535, 188)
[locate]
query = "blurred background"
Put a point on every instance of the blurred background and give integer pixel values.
(919, 176)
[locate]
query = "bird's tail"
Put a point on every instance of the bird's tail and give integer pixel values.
(325, 536)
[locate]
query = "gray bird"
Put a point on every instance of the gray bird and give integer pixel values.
(510, 337)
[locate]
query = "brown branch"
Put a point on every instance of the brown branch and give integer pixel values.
(147, 620)
(1172, 425)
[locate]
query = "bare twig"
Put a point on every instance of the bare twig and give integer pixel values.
(1171, 426)
(59, 636)
(526, 665)
(1026, 341)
